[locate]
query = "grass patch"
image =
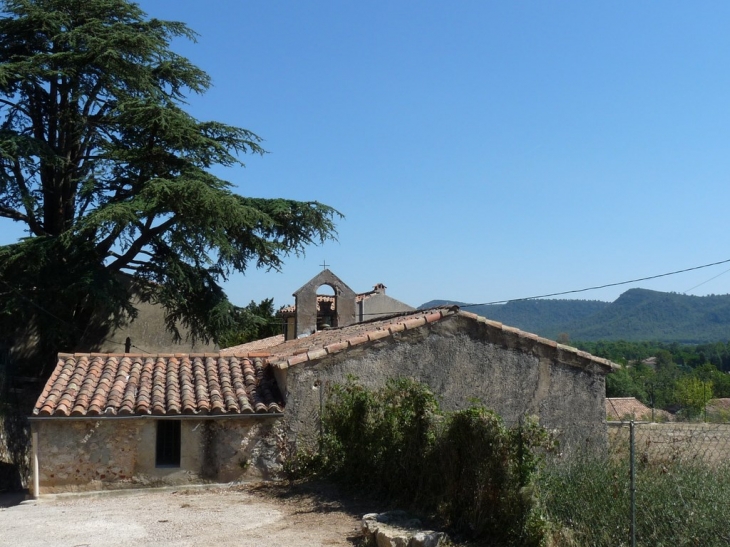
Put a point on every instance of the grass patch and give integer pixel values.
(587, 502)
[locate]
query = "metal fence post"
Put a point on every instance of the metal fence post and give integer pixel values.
(320, 386)
(632, 486)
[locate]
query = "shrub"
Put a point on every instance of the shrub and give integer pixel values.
(466, 468)
(487, 474)
(379, 438)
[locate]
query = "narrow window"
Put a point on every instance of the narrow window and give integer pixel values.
(168, 443)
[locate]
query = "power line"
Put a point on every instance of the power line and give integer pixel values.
(715, 277)
(599, 286)
(394, 312)
(495, 302)
(587, 288)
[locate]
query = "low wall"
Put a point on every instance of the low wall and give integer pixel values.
(88, 454)
(672, 442)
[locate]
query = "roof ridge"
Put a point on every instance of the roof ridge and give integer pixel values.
(418, 318)
(365, 337)
(539, 339)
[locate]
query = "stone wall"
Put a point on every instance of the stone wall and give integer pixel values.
(83, 455)
(459, 361)
(675, 442)
(148, 333)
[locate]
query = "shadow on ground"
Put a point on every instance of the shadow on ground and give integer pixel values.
(319, 497)
(10, 499)
(325, 497)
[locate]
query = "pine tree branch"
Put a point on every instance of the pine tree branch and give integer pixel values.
(13, 214)
(16, 106)
(146, 236)
(27, 199)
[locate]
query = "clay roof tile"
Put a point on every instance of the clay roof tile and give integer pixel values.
(101, 385)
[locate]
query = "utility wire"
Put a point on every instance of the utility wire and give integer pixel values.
(599, 286)
(574, 291)
(579, 290)
(587, 288)
(715, 277)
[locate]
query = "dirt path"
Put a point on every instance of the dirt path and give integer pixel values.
(241, 516)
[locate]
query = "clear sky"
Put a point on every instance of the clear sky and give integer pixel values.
(480, 151)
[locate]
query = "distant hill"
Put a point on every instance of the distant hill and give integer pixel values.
(638, 314)
(543, 317)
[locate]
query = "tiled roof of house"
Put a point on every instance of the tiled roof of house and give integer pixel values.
(164, 385)
(240, 380)
(623, 408)
(330, 341)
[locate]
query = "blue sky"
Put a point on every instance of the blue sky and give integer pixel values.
(480, 151)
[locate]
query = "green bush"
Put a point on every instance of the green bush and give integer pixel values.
(488, 481)
(487, 472)
(379, 439)
(466, 468)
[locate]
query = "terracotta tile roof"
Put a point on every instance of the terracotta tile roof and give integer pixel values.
(330, 341)
(240, 380)
(164, 385)
(627, 408)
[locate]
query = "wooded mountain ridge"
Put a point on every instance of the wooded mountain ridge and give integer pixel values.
(638, 314)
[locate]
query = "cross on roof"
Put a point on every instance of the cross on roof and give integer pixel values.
(324, 265)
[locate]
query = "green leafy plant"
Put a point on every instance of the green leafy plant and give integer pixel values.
(467, 468)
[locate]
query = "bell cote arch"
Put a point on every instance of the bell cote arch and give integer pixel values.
(342, 310)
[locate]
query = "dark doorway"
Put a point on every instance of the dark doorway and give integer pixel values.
(168, 443)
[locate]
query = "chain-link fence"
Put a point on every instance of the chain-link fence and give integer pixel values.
(679, 480)
(659, 484)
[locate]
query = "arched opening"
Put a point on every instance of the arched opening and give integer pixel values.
(325, 301)
(326, 306)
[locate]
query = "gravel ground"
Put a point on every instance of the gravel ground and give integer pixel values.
(242, 516)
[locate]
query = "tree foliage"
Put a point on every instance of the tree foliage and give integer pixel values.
(693, 394)
(682, 377)
(111, 177)
(253, 322)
